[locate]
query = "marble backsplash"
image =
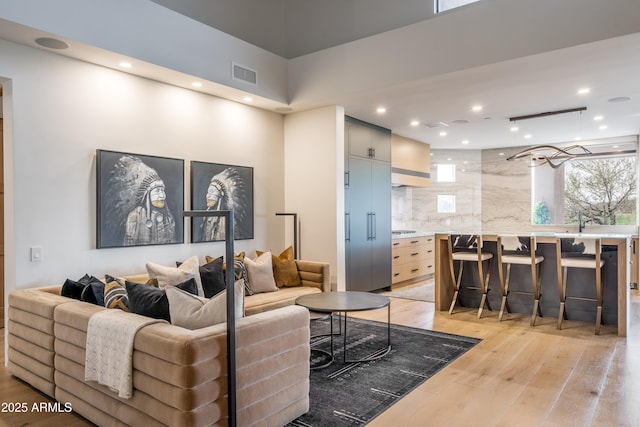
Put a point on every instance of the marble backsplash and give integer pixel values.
(491, 195)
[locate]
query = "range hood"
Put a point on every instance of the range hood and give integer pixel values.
(410, 162)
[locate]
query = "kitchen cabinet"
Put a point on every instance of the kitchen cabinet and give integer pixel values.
(412, 258)
(367, 207)
(362, 140)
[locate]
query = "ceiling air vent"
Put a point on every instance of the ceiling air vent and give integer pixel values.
(436, 125)
(245, 74)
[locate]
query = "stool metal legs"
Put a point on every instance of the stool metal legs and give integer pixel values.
(563, 297)
(535, 280)
(484, 286)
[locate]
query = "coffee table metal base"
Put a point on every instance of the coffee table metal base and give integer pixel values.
(314, 315)
(378, 354)
(341, 303)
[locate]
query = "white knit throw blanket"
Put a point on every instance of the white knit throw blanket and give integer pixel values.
(109, 349)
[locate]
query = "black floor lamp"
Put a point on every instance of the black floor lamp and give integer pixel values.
(295, 231)
(231, 318)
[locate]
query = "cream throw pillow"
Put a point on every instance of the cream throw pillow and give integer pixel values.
(171, 276)
(260, 273)
(193, 312)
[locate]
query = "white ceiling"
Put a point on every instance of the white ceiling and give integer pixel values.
(529, 85)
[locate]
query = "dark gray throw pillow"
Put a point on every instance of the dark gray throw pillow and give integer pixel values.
(72, 289)
(212, 277)
(88, 289)
(151, 301)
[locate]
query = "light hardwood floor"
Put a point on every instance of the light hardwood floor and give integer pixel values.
(516, 376)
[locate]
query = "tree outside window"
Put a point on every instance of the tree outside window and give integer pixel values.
(601, 191)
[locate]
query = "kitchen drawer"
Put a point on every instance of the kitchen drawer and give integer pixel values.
(414, 253)
(396, 273)
(396, 256)
(412, 270)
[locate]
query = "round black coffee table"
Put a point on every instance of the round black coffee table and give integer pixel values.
(344, 302)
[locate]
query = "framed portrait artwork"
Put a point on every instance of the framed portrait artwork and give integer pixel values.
(140, 200)
(221, 187)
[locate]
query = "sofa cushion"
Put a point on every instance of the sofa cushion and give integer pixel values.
(260, 272)
(194, 312)
(170, 276)
(268, 301)
(152, 302)
(285, 270)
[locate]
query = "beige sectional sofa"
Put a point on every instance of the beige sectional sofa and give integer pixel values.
(179, 375)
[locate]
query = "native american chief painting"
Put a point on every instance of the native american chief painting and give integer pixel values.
(222, 187)
(136, 206)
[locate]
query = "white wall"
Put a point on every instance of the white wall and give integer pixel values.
(62, 110)
(149, 32)
(314, 184)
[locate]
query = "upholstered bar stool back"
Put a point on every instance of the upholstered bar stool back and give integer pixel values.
(579, 252)
(519, 250)
(465, 247)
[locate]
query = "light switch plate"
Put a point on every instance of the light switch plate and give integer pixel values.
(36, 253)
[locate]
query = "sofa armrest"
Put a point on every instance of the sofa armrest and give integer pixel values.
(315, 274)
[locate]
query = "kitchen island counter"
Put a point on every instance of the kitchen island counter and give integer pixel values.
(616, 252)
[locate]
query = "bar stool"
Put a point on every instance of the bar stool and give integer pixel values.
(579, 252)
(468, 248)
(519, 250)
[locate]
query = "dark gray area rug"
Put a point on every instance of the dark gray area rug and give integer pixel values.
(354, 394)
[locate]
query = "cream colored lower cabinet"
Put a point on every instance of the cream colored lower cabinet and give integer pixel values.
(412, 258)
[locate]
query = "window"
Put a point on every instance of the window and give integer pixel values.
(443, 5)
(446, 172)
(446, 203)
(598, 190)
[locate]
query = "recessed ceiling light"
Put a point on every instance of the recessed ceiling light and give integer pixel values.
(603, 127)
(465, 162)
(577, 138)
(476, 108)
(465, 141)
(598, 118)
(449, 159)
(52, 43)
(501, 154)
(414, 123)
(196, 84)
(528, 136)
(125, 64)
(620, 99)
(583, 91)
(247, 99)
(615, 146)
(515, 128)
(443, 133)
(431, 154)
(461, 121)
(381, 110)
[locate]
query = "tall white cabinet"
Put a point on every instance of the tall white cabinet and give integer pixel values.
(367, 206)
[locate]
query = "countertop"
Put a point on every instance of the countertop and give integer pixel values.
(550, 234)
(408, 234)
